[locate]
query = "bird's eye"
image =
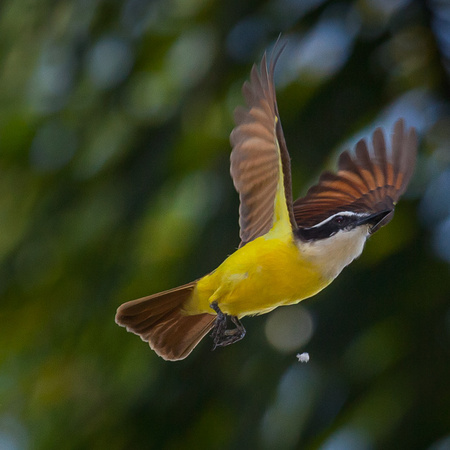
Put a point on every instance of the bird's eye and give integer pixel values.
(339, 220)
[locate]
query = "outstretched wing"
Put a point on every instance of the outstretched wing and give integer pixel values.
(260, 163)
(371, 180)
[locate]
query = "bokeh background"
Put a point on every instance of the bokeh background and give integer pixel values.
(114, 184)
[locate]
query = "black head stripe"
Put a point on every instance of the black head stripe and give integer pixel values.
(314, 234)
(340, 221)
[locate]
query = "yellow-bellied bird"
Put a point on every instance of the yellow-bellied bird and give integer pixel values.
(289, 250)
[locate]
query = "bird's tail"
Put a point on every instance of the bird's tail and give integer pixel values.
(159, 320)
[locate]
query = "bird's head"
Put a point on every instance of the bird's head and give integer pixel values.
(344, 222)
(337, 240)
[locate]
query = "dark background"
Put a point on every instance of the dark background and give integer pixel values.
(114, 184)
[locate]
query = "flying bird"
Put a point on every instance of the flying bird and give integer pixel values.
(289, 250)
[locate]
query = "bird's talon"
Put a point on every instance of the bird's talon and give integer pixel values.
(221, 335)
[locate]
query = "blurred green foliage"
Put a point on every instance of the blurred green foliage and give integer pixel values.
(114, 184)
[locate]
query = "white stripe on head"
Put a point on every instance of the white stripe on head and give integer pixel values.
(342, 213)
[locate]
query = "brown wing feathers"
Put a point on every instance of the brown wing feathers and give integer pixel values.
(258, 143)
(370, 181)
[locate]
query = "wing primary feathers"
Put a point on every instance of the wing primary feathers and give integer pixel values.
(362, 155)
(258, 142)
(379, 147)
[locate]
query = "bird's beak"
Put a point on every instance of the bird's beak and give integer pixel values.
(377, 220)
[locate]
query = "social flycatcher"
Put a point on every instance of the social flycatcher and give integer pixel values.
(289, 250)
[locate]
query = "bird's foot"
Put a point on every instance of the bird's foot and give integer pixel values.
(221, 335)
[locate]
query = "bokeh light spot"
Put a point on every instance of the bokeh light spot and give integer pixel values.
(348, 439)
(284, 420)
(53, 146)
(191, 57)
(288, 329)
(52, 79)
(435, 205)
(110, 62)
(441, 240)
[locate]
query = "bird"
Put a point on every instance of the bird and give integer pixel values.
(289, 250)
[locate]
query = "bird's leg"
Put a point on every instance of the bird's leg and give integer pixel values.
(239, 332)
(221, 336)
(220, 325)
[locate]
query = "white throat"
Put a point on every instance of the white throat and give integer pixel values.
(332, 254)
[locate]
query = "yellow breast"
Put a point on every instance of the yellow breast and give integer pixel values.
(264, 274)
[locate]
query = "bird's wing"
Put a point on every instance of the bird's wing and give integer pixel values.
(371, 180)
(260, 163)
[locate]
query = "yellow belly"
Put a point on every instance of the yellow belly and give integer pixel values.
(262, 275)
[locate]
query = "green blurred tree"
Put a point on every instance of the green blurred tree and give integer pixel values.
(114, 126)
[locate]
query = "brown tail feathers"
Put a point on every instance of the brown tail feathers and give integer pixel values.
(159, 320)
